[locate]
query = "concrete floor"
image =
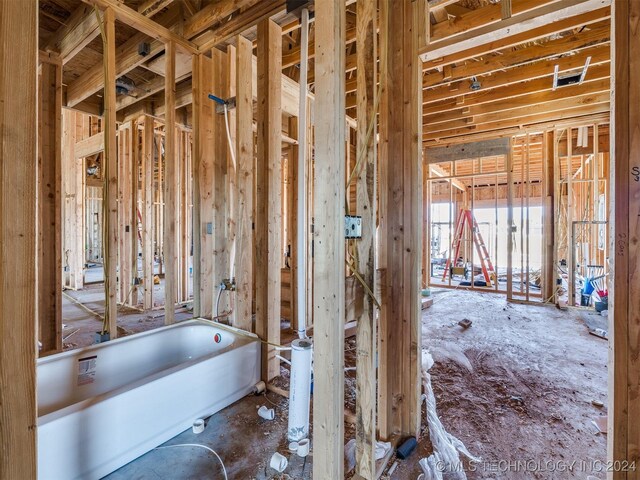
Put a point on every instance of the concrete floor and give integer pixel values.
(518, 385)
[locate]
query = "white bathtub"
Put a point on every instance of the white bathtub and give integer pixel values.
(101, 407)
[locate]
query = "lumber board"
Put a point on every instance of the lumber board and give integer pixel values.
(366, 164)
(170, 189)
(80, 29)
(268, 216)
(148, 155)
(244, 183)
(400, 223)
(329, 251)
(463, 151)
(624, 311)
(110, 174)
(90, 145)
(49, 211)
(483, 28)
(18, 163)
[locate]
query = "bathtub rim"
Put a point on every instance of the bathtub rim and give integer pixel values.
(249, 338)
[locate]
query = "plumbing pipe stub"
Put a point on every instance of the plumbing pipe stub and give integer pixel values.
(198, 426)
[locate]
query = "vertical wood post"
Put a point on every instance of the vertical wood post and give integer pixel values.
(18, 160)
(110, 173)
(549, 278)
(268, 219)
(366, 208)
(624, 309)
(147, 213)
(244, 184)
(171, 177)
(400, 219)
(50, 208)
(329, 243)
(221, 245)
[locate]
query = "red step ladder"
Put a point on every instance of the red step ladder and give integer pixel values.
(466, 218)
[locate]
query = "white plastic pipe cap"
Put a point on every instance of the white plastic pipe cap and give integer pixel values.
(278, 462)
(198, 426)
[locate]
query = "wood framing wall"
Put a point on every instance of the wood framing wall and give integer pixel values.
(18, 237)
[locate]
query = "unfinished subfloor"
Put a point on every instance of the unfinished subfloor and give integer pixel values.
(517, 385)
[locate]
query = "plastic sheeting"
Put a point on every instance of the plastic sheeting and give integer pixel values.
(446, 447)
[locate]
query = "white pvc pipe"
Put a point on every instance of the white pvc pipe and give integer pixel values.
(301, 238)
(299, 389)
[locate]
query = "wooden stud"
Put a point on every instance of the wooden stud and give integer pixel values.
(400, 222)
(624, 310)
(509, 162)
(549, 269)
(268, 217)
(147, 211)
(110, 173)
(506, 9)
(73, 192)
(329, 243)
(170, 195)
(221, 245)
(50, 209)
(244, 183)
(366, 208)
(18, 167)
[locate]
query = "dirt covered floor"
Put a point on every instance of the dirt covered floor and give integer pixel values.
(520, 387)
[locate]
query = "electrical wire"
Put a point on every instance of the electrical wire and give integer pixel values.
(224, 470)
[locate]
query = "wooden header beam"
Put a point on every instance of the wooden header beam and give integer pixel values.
(143, 24)
(463, 151)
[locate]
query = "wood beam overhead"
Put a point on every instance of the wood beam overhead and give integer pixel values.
(239, 21)
(150, 7)
(328, 237)
(80, 30)
(624, 315)
(543, 31)
(143, 24)
(463, 151)
(127, 58)
(530, 54)
(484, 25)
(210, 15)
(524, 121)
(516, 114)
(466, 100)
(18, 160)
(564, 94)
(599, 54)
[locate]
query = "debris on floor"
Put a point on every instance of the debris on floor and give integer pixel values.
(465, 323)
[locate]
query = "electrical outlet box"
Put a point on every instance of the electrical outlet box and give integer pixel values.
(352, 226)
(209, 228)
